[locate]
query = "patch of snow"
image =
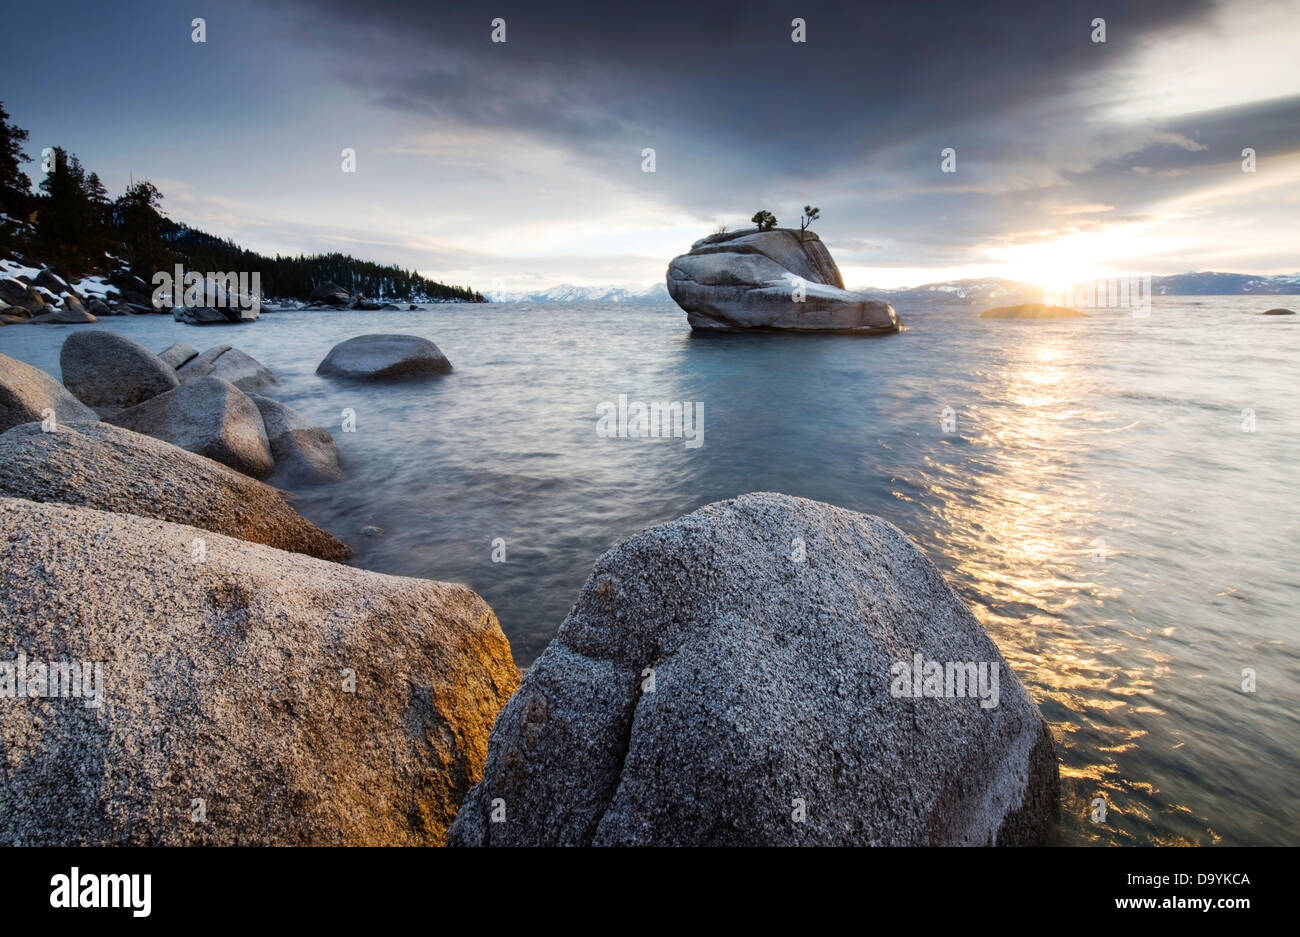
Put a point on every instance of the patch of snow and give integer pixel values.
(13, 268)
(93, 287)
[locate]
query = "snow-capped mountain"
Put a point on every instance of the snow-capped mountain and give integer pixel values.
(1209, 283)
(566, 293)
(1005, 292)
(975, 292)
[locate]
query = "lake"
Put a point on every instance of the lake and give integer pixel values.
(1114, 496)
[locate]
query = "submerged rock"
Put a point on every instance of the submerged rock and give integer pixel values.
(209, 416)
(384, 358)
(295, 701)
(108, 371)
(28, 394)
(735, 678)
(108, 468)
(753, 279)
(1278, 312)
(1032, 311)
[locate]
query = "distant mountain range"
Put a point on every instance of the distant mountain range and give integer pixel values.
(975, 292)
(583, 294)
(989, 291)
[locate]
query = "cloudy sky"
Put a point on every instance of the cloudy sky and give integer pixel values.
(518, 165)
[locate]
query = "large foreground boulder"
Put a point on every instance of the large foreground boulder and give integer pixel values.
(384, 358)
(256, 697)
(303, 451)
(108, 371)
(770, 280)
(28, 394)
(743, 676)
(209, 416)
(97, 465)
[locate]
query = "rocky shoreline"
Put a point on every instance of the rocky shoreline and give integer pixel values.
(730, 678)
(30, 296)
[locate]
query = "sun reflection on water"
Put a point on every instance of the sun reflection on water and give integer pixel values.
(1024, 527)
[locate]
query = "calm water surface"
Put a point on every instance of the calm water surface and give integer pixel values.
(1128, 544)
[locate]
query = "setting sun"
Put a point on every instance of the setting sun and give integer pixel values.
(1084, 255)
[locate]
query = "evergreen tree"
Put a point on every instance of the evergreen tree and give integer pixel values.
(138, 220)
(66, 227)
(15, 187)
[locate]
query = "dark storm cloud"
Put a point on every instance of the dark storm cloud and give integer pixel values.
(483, 155)
(870, 76)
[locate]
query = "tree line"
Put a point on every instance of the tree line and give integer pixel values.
(73, 226)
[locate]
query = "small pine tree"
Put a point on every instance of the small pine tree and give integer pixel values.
(765, 220)
(809, 215)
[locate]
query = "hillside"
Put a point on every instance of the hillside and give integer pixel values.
(69, 225)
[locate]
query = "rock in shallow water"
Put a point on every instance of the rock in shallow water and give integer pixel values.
(331, 294)
(27, 393)
(1032, 311)
(177, 353)
(384, 357)
(731, 678)
(108, 468)
(303, 451)
(305, 703)
(209, 416)
(229, 364)
(72, 312)
(751, 280)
